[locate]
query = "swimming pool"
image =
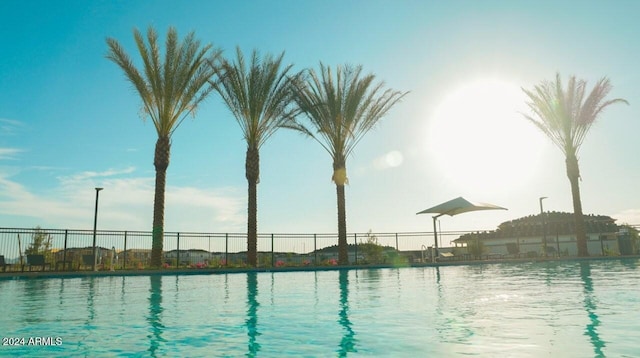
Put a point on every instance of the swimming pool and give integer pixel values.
(557, 309)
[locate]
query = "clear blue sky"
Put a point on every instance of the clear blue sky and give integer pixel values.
(69, 120)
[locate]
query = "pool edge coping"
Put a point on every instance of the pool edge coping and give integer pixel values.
(18, 275)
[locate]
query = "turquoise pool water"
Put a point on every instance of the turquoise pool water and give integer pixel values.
(548, 309)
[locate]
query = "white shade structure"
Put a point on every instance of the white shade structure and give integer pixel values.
(453, 207)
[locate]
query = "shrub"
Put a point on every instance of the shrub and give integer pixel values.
(371, 249)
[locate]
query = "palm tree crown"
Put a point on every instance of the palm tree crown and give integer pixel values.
(259, 96)
(566, 116)
(170, 90)
(341, 110)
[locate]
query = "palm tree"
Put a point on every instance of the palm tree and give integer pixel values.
(341, 111)
(169, 91)
(260, 97)
(566, 116)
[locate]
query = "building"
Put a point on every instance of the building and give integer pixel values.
(192, 256)
(135, 257)
(75, 254)
(548, 234)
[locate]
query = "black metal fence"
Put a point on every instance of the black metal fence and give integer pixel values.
(74, 249)
(57, 249)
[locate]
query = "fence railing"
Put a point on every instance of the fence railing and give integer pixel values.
(66, 249)
(70, 249)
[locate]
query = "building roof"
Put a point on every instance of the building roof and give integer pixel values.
(189, 251)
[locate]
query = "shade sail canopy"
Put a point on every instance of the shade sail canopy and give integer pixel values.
(459, 205)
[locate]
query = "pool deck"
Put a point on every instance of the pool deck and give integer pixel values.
(16, 275)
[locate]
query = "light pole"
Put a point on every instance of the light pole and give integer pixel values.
(544, 227)
(95, 224)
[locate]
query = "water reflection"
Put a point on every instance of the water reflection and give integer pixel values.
(315, 290)
(123, 291)
(590, 306)
(454, 313)
(373, 276)
(91, 291)
(273, 283)
(155, 314)
(442, 324)
(226, 288)
(438, 284)
(35, 301)
(398, 281)
(61, 292)
(252, 314)
(176, 294)
(348, 341)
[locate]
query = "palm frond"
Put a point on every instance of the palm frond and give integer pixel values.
(119, 56)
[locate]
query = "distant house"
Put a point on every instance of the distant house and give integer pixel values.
(75, 253)
(192, 256)
(554, 231)
(142, 256)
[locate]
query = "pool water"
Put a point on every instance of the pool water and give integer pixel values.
(546, 309)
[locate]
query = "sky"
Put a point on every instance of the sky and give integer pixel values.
(69, 120)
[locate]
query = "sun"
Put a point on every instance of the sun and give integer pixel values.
(481, 141)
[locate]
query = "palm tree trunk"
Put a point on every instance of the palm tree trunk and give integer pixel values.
(252, 167)
(343, 255)
(161, 162)
(573, 173)
(340, 178)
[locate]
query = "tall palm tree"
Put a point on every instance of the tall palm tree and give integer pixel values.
(341, 110)
(566, 116)
(260, 97)
(170, 91)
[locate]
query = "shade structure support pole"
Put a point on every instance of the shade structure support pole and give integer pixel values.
(435, 238)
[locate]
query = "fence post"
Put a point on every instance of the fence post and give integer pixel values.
(355, 240)
(315, 250)
(272, 256)
(226, 249)
(397, 242)
(64, 255)
(178, 250)
(124, 258)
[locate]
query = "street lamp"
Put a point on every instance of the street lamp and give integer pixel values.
(95, 224)
(544, 227)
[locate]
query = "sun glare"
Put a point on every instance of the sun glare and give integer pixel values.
(480, 139)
